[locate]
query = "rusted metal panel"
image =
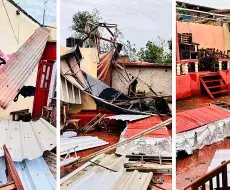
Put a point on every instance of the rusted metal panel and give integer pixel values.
(199, 117)
(17, 70)
(136, 127)
(26, 139)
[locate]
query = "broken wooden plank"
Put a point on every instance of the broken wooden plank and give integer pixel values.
(9, 186)
(11, 169)
(149, 167)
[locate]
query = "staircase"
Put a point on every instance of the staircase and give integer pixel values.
(214, 84)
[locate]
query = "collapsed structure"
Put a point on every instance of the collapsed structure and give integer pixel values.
(89, 104)
(27, 82)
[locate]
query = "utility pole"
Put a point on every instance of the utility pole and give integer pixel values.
(44, 12)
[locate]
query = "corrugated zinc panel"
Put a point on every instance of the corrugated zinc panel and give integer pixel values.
(26, 139)
(69, 93)
(128, 117)
(195, 118)
(17, 70)
(136, 127)
(80, 143)
(3, 179)
(96, 177)
(34, 174)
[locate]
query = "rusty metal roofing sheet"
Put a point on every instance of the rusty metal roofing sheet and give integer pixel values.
(195, 118)
(34, 174)
(96, 177)
(127, 117)
(26, 139)
(136, 127)
(17, 70)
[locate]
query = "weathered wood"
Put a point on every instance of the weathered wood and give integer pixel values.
(148, 167)
(10, 186)
(12, 169)
(137, 136)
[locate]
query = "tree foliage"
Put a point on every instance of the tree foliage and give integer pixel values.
(156, 52)
(81, 18)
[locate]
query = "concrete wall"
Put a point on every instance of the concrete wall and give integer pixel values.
(24, 28)
(208, 36)
(159, 78)
(226, 36)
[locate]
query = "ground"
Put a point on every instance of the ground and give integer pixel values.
(199, 101)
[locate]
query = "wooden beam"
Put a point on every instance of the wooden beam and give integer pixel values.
(150, 167)
(12, 169)
(10, 186)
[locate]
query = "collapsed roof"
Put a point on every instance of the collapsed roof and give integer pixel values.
(17, 70)
(104, 95)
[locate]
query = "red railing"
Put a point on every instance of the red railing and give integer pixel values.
(206, 182)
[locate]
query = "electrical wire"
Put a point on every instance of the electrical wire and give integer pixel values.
(9, 21)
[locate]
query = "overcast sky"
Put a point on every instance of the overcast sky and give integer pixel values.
(139, 20)
(219, 4)
(35, 9)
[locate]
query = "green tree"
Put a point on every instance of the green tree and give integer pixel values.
(156, 52)
(80, 20)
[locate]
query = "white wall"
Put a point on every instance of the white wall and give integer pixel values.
(159, 78)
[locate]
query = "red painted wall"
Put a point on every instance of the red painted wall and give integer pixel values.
(189, 85)
(183, 87)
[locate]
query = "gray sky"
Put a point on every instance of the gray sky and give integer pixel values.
(139, 20)
(219, 4)
(35, 9)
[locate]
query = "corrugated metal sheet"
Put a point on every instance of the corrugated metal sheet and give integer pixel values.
(96, 177)
(136, 127)
(126, 117)
(34, 174)
(195, 118)
(17, 70)
(69, 93)
(80, 143)
(26, 139)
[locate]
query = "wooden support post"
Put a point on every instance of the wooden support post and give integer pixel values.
(228, 65)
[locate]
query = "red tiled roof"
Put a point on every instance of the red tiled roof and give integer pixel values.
(199, 117)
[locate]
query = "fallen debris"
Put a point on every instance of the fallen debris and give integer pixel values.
(21, 65)
(27, 139)
(111, 176)
(75, 144)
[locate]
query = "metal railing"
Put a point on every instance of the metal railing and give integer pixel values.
(206, 182)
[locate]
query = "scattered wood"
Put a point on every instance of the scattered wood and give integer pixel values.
(146, 158)
(148, 167)
(95, 121)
